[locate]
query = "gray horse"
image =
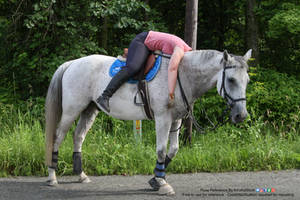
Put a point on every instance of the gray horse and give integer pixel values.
(76, 84)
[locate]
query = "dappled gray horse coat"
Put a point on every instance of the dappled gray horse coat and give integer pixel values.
(76, 84)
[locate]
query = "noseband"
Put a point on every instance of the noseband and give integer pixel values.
(230, 101)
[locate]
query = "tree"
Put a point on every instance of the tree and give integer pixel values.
(252, 37)
(191, 22)
(37, 36)
(190, 37)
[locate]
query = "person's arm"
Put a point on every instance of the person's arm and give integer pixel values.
(176, 57)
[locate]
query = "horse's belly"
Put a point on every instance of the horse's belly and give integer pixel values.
(126, 111)
(122, 104)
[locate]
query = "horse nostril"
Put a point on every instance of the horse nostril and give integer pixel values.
(238, 117)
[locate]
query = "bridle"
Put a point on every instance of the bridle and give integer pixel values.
(230, 100)
(190, 115)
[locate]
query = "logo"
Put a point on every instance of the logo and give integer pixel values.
(272, 189)
(265, 190)
(261, 190)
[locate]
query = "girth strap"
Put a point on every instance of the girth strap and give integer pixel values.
(144, 94)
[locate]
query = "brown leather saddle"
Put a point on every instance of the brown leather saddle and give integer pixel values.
(143, 86)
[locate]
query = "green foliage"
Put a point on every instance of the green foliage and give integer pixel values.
(286, 22)
(123, 13)
(37, 36)
(285, 26)
(44, 34)
(280, 44)
(275, 97)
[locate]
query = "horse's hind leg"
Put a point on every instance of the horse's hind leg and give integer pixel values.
(66, 121)
(86, 120)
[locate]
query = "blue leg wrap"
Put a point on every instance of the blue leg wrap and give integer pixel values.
(160, 170)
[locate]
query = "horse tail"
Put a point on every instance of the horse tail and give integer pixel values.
(53, 109)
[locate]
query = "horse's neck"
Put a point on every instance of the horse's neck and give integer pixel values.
(200, 69)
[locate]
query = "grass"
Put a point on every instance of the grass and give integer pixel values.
(110, 147)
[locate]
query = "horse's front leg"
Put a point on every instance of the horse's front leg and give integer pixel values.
(174, 142)
(162, 126)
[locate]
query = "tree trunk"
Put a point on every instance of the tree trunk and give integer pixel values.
(252, 30)
(221, 24)
(191, 18)
(104, 34)
(146, 17)
(190, 37)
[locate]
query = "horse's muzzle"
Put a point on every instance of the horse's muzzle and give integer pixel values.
(238, 113)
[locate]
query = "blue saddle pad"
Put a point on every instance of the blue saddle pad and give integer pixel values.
(118, 65)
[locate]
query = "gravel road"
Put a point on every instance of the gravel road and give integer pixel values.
(213, 186)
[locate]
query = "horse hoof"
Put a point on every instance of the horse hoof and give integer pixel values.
(160, 185)
(166, 189)
(154, 184)
(84, 180)
(52, 182)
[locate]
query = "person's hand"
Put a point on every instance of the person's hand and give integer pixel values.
(125, 52)
(171, 102)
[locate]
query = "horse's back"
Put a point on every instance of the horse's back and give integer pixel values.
(86, 79)
(80, 80)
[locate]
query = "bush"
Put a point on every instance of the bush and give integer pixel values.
(44, 34)
(275, 97)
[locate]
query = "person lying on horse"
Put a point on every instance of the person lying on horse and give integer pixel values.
(138, 52)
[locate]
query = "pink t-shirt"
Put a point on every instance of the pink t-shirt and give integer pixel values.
(165, 42)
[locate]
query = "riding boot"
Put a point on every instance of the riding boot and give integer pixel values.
(116, 82)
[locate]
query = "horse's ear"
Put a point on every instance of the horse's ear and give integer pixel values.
(226, 56)
(247, 56)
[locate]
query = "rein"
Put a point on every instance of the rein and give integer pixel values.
(230, 104)
(190, 114)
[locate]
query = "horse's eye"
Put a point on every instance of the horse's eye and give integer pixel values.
(231, 80)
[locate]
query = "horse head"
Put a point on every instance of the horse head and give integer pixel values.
(232, 83)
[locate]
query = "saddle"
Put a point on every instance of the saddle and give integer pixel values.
(151, 70)
(146, 74)
(143, 85)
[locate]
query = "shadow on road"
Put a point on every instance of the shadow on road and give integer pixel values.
(65, 190)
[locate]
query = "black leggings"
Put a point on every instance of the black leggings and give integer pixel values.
(137, 56)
